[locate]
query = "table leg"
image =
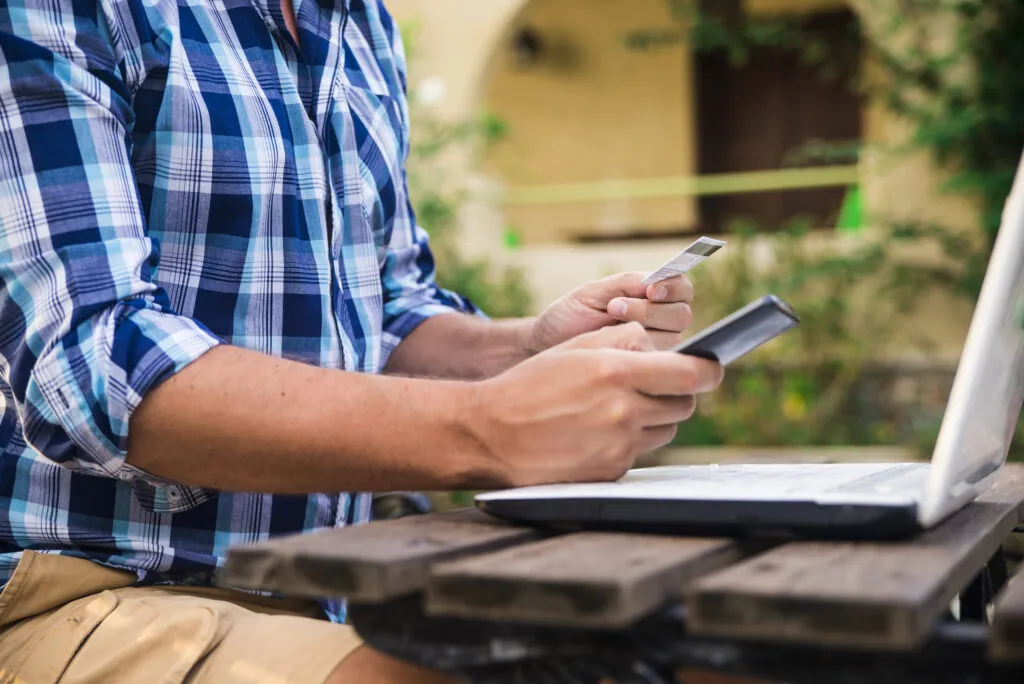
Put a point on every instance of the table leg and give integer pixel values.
(981, 592)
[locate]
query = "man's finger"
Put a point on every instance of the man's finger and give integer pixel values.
(654, 411)
(598, 293)
(670, 374)
(631, 337)
(677, 289)
(663, 341)
(654, 438)
(674, 317)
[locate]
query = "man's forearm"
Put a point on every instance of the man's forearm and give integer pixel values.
(237, 420)
(462, 346)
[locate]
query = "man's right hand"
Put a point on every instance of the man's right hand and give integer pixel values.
(585, 410)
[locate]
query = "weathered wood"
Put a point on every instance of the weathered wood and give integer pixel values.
(588, 579)
(369, 563)
(870, 595)
(1006, 639)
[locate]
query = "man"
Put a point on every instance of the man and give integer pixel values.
(214, 306)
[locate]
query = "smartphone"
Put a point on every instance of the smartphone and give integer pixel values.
(742, 332)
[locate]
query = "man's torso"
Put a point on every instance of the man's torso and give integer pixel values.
(272, 183)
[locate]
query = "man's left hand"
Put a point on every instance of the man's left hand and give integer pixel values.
(662, 308)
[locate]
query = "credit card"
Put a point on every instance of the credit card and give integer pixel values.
(681, 263)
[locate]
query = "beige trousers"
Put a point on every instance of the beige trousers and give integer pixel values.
(73, 621)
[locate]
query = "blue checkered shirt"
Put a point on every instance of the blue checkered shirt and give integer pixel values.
(175, 175)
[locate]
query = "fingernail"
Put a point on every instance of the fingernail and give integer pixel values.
(660, 293)
(617, 308)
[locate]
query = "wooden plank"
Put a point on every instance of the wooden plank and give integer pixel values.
(370, 563)
(588, 579)
(870, 595)
(1006, 639)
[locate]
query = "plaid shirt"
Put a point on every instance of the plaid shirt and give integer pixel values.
(176, 175)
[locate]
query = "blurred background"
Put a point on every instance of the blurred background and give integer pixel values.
(855, 154)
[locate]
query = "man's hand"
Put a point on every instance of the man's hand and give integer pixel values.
(663, 309)
(585, 410)
(465, 347)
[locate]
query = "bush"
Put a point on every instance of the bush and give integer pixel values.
(800, 389)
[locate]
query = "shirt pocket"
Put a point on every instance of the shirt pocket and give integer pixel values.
(379, 138)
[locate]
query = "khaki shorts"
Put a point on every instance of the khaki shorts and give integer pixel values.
(70, 620)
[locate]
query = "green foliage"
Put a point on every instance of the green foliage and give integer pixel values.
(965, 100)
(437, 200)
(821, 384)
(800, 389)
(974, 124)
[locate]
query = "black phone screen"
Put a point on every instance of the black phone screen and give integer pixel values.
(742, 332)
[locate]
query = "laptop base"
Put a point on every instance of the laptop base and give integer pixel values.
(799, 519)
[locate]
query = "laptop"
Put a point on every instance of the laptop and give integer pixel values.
(862, 500)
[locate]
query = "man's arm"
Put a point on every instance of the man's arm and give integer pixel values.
(237, 420)
(241, 421)
(463, 347)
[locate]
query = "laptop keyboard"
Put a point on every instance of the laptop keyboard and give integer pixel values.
(750, 482)
(779, 480)
(901, 478)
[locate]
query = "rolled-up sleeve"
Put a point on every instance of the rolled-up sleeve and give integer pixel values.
(84, 331)
(411, 293)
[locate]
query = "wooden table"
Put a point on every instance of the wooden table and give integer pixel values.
(496, 602)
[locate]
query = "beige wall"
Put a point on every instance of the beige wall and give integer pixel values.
(596, 111)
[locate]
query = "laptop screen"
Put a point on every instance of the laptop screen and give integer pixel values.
(985, 402)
